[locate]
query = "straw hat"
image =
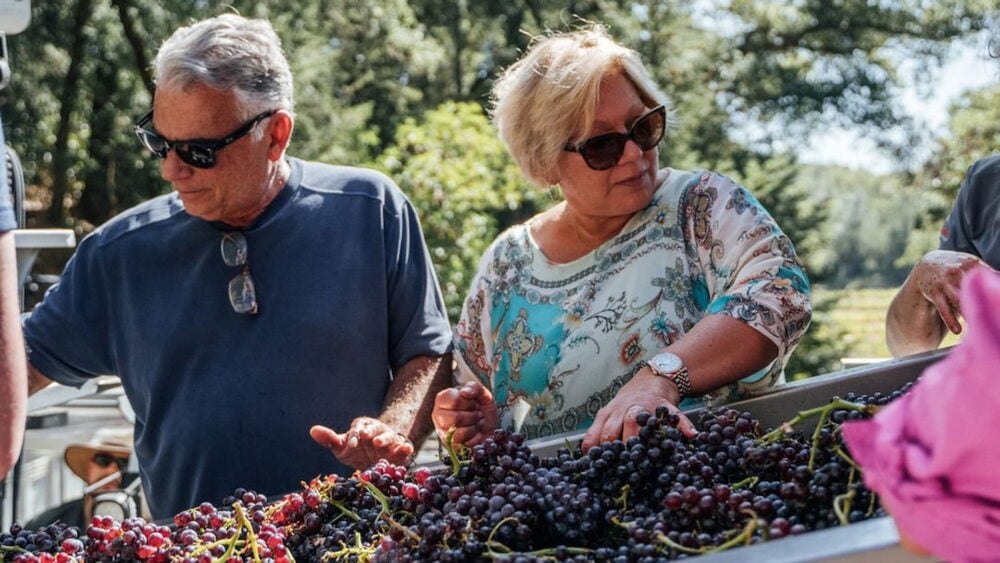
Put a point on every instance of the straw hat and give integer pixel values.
(78, 456)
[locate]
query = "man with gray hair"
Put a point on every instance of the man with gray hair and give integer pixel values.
(265, 301)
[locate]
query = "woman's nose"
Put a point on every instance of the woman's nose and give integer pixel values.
(631, 152)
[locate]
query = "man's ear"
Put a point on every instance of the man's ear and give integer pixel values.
(280, 131)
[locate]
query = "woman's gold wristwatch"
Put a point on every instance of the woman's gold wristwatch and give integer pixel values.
(671, 367)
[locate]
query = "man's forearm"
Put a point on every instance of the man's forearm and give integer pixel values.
(410, 399)
(912, 324)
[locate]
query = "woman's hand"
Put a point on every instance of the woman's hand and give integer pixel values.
(368, 441)
(469, 409)
(643, 393)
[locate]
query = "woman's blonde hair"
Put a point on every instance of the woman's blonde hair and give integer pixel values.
(549, 97)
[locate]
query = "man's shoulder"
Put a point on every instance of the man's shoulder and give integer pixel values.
(985, 174)
(335, 179)
(140, 218)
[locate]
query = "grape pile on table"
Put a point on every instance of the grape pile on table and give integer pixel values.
(654, 497)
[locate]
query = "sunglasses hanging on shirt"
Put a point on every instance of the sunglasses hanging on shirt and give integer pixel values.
(242, 292)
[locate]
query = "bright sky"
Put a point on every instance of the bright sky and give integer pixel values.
(969, 68)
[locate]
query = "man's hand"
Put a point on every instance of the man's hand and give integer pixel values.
(644, 392)
(367, 441)
(938, 277)
(469, 409)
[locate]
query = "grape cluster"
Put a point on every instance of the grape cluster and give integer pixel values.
(199, 535)
(656, 496)
(56, 542)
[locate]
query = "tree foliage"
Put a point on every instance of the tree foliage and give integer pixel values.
(464, 185)
(403, 85)
(973, 133)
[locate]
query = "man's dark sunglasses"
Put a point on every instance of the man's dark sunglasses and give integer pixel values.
(104, 460)
(604, 151)
(199, 153)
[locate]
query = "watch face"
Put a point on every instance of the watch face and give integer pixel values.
(666, 362)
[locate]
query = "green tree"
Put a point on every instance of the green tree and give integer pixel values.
(371, 54)
(70, 109)
(464, 186)
(973, 133)
(829, 61)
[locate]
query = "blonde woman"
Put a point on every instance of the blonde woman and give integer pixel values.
(646, 286)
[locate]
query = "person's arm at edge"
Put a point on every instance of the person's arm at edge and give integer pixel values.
(912, 323)
(13, 372)
(927, 307)
(928, 304)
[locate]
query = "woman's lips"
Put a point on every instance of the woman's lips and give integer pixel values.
(636, 178)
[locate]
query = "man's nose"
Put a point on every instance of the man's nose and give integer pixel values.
(172, 168)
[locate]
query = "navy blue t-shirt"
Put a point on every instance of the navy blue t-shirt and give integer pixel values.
(973, 226)
(346, 292)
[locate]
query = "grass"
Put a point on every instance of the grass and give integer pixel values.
(860, 315)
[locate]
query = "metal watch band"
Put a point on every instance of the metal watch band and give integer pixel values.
(679, 377)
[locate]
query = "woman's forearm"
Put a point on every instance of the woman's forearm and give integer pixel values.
(720, 350)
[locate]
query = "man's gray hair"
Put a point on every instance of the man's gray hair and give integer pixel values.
(228, 53)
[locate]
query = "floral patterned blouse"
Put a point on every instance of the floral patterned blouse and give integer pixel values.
(555, 342)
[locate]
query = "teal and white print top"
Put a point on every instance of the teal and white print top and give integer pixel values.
(555, 342)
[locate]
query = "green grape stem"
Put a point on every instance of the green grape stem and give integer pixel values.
(872, 504)
(823, 413)
(363, 552)
(842, 503)
(241, 515)
(663, 539)
(453, 454)
(842, 506)
(622, 499)
(846, 457)
(745, 483)
(743, 538)
(345, 511)
(383, 501)
(491, 543)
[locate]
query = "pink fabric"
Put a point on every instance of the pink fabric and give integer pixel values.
(934, 455)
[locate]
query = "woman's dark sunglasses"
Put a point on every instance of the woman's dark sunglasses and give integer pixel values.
(104, 460)
(199, 153)
(604, 151)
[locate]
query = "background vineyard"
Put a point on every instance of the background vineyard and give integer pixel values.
(859, 317)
